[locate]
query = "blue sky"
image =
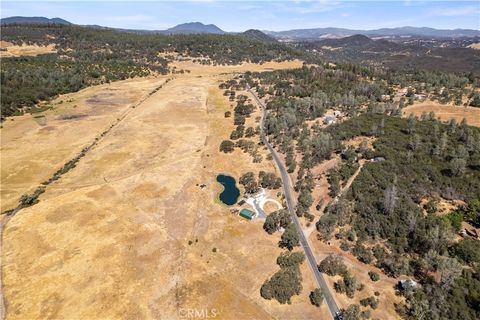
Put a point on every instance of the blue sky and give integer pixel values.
(264, 15)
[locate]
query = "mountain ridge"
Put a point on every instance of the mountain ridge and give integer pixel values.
(331, 32)
(256, 34)
(195, 27)
(294, 34)
(33, 20)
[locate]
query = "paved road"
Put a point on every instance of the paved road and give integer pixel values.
(332, 305)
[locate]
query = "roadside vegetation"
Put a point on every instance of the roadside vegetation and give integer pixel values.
(380, 218)
(286, 282)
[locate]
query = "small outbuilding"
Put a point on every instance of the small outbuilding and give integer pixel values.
(329, 119)
(407, 284)
(247, 214)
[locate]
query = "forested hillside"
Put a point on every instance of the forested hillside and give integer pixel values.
(390, 216)
(88, 56)
(439, 55)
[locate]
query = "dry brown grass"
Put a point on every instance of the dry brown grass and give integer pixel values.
(110, 238)
(475, 46)
(24, 49)
(357, 141)
(443, 206)
(445, 112)
(34, 146)
(204, 70)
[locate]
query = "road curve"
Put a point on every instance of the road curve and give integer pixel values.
(332, 305)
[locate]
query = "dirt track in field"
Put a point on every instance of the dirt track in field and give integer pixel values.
(110, 239)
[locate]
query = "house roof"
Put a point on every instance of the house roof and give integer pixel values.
(249, 214)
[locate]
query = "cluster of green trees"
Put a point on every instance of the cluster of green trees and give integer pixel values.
(373, 276)
(352, 312)
(269, 180)
(242, 111)
(266, 180)
(419, 158)
(316, 297)
(276, 220)
(347, 285)
(281, 219)
(286, 282)
(457, 296)
(303, 94)
(423, 158)
(333, 265)
(469, 213)
(371, 301)
(25, 81)
(220, 49)
(475, 99)
(87, 55)
(405, 57)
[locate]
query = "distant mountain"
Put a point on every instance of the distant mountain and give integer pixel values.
(295, 35)
(320, 33)
(195, 27)
(257, 35)
(425, 32)
(33, 20)
(357, 40)
(359, 43)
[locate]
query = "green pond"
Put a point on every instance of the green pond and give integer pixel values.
(230, 191)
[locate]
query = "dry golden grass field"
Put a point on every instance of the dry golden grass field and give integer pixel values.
(445, 112)
(475, 46)
(110, 239)
(12, 50)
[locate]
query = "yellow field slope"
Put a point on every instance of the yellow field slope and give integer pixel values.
(110, 239)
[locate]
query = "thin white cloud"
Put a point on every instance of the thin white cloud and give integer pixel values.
(455, 12)
(308, 7)
(130, 18)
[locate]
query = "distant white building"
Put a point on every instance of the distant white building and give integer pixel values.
(407, 284)
(329, 119)
(420, 96)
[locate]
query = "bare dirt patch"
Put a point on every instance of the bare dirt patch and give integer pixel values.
(270, 207)
(445, 112)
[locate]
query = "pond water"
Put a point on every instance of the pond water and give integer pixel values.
(230, 192)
